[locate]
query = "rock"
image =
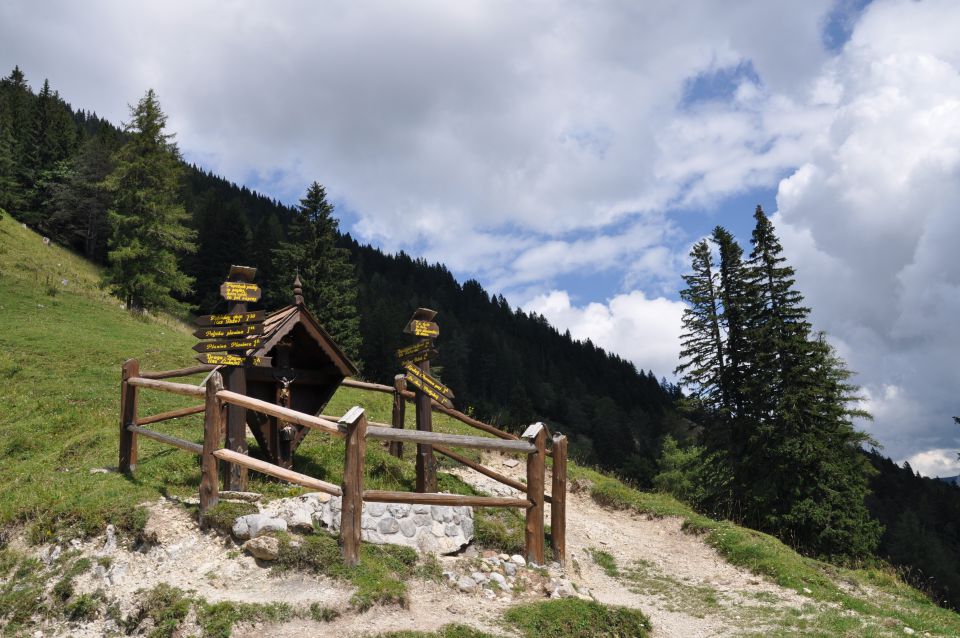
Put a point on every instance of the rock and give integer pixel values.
(510, 569)
(466, 525)
(908, 631)
(504, 557)
(110, 544)
(263, 547)
(389, 525)
(479, 577)
(421, 509)
(52, 554)
(368, 522)
(297, 512)
(499, 580)
(489, 595)
(466, 584)
(807, 590)
(375, 509)
(241, 526)
(246, 497)
(451, 530)
(100, 470)
(485, 568)
(436, 512)
(399, 510)
(422, 519)
(511, 463)
(437, 530)
(408, 527)
(518, 560)
(253, 525)
(580, 485)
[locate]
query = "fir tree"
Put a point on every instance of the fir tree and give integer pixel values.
(328, 277)
(147, 217)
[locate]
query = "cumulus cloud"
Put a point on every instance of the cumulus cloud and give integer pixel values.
(640, 329)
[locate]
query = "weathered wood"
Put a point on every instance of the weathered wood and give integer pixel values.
(480, 425)
(419, 328)
(167, 386)
(536, 465)
(416, 371)
(380, 496)
(366, 385)
(423, 387)
(188, 446)
(426, 465)
(276, 471)
(172, 414)
(212, 435)
(442, 438)
(486, 471)
(355, 423)
(232, 360)
(558, 503)
(300, 418)
(240, 331)
(228, 344)
(182, 372)
(230, 319)
(239, 291)
(399, 410)
(128, 416)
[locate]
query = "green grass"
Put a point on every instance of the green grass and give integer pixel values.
(575, 618)
(605, 561)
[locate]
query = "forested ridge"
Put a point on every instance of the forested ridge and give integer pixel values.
(58, 166)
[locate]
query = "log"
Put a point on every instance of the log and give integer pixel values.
(472, 422)
(187, 446)
(455, 440)
(506, 480)
(166, 386)
(558, 505)
(398, 416)
(181, 372)
(276, 471)
(355, 423)
(300, 418)
(536, 465)
(213, 426)
(417, 498)
(364, 385)
(128, 416)
(426, 464)
(172, 414)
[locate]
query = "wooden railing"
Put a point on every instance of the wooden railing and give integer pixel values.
(355, 428)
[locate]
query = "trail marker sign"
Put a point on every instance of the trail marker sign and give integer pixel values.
(233, 344)
(230, 332)
(232, 360)
(240, 291)
(230, 320)
(426, 379)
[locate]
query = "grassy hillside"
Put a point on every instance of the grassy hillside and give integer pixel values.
(62, 341)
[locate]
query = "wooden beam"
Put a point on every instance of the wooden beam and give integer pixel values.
(172, 414)
(213, 426)
(364, 385)
(480, 425)
(398, 415)
(166, 386)
(536, 465)
(128, 416)
(278, 472)
(182, 372)
(506, 480)
(300, 418)
(351, 510)
(381, 496)
(455, 440)
(558, 505)
(426, 464)
(194, 448)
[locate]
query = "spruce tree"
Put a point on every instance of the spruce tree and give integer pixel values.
(328, 277)
(147, 217)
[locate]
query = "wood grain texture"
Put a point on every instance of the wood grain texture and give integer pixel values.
(128, 416)
(300, 418)
(188, 446)
(172, 414)
(381, 496)
(276, 471)
(454, 440)
(180, 372)
(399, 413)
(355, 422)
(536, 467)
(558, 504)
(213, 426)
(167, 386)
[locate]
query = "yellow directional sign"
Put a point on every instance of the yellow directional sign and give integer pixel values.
(419, 328)
(420, 385)
(240, 291)
(230, 320)
(230, 332)
(224, 359)
(427, 380)
(420, 351)
(233, 344)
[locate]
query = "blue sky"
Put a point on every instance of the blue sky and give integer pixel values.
(568, 154)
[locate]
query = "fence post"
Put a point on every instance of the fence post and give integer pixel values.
(536, 465)
(558, 500)
(213, 426)
(355, 422)
(128, 416)
(399, 408)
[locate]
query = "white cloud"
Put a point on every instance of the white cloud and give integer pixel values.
(645, 331)
(935, 463)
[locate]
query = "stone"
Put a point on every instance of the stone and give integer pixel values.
(399, 510)
(447, 515)
(298, 512)
(485, 568)
(110, 543)
(511, 463)
(908, 631)
(246, 497)
(421, 509)
(518, 560)
(375, 509)
(510, 569)
(489, 595)
(99, 470)
(422, 519)
(466, 584)
(253, 525)
(499, 580)
(437, 530)
(466, 525)
(389, 525)
(408, 527)
(436, 512)
(263, 547)
(504, 557)
(368, 522)
(451, 530)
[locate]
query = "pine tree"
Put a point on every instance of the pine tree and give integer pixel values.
(147, 217)
(328, 277)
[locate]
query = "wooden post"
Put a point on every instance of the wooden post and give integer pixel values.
(235, 380)
(212, 435)
(426, 464)
(128, 416)
(399, 409)
(355, 422)
(558, 500)
(536, 467)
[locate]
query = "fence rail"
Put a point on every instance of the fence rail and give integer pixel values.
(353, 426)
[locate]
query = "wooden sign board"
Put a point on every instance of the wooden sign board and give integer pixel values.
(230, 332)
(428, 390)
(233, 360)
(413, 370)
(420, 351)
(230, 320)
(419, 328)
(418, 358)
(234, 344)
(240, 291)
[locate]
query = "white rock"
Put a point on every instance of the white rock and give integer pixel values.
(510, 569)
(110, 544)
(518, 560)
(511, 462)
(908, 631)
(489, 595)
(466, 584)
(263, 547)
(499, 580)
(479, 577)
(246, 497)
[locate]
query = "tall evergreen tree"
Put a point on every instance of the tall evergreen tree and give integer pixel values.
(148, 220)
(328, 277)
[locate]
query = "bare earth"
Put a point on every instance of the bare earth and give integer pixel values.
(681, 583)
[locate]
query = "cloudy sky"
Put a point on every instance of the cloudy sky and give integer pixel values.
(567, 154)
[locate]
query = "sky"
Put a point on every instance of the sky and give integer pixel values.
(568, 154)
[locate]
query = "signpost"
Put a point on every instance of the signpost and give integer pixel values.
(417, 353)
(417, 358)
(236, 344)
(230, 332)
(232, 360)
(240, 291)
(231, 320)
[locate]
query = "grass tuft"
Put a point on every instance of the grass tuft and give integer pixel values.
(575, 618)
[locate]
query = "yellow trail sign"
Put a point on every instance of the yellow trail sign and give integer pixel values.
(233, 344)
(230, 320)
(240, 291)
(419, 328)
(234, 360)
(420, 385)
(229, 332)
(428, 380)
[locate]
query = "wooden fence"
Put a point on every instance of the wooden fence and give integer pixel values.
(356, 429)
